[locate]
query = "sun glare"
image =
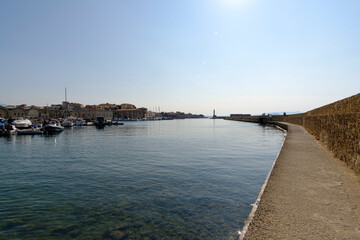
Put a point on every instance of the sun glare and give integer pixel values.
(233, 3)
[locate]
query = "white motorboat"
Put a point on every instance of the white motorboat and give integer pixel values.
(53, 126)
(22, 123)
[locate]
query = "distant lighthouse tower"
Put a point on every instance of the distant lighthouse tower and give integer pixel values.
(214, 115)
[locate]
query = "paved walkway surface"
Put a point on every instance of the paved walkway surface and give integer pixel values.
(310, 194)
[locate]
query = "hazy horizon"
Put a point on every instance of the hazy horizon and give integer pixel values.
(235, 56)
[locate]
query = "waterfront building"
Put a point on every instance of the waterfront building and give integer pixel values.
(22, 106)
(67, 106)
(152, 115)
(180, 115)
(51, 112)
(77, 106)
(70, 106)
(108, 106)
(91, 107)
(56, 106)
(174, 115)
(33, 112)
(15, 112)
(127, 106)
(132, 114)
(20, 111)
(93, 113)
(67, 109)
(4, 113)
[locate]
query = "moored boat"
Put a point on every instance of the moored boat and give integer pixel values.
(53, 126)
(31, 131)
(116, 122)
(80, 123)
(68, 124)
(22, 123)
(7, 129)
(100, 122)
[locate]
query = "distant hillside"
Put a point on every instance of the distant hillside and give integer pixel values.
(3, 105)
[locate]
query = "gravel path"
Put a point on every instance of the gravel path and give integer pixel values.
(310, 194)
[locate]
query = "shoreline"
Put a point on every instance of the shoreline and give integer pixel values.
(282, 127)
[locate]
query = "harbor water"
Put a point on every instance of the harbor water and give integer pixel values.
(179, 179)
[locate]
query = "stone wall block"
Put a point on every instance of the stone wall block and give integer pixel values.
(340, 132)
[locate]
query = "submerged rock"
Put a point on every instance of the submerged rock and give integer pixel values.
(13, 224)
(116, 235)
(63, 229)
(75, 233)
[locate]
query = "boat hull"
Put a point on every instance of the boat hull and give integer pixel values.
(53, 129)
(68, 124)
(29, 132)
(22, 123)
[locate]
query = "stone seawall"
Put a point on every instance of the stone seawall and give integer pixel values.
(337, 125)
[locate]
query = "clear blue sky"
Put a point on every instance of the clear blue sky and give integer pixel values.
(235, 56)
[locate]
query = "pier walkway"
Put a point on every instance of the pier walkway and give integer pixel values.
(310, 194)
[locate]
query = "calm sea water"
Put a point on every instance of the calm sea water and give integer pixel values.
(180, 179)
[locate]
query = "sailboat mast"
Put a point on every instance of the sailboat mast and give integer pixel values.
(65, 96)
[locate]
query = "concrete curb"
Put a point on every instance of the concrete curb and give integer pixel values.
(255, 205)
